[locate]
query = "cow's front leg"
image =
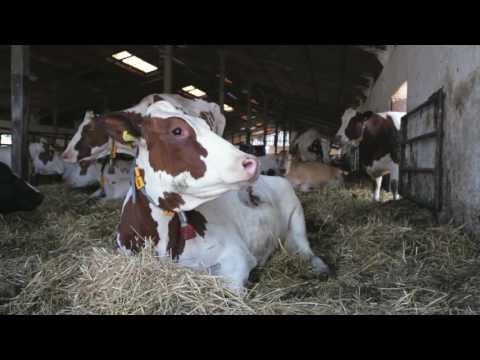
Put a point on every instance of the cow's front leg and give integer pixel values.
(234, 266)
(394, 177)
(378, 188)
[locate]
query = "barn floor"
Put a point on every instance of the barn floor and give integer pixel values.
(388, 258)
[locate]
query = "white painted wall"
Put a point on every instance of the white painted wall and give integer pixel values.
(456, 68)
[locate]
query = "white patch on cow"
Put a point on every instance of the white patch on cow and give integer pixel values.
(396, 117)
(70, 154)
(347, 115)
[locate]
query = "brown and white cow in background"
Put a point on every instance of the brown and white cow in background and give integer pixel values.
(377, 136)
(190, 197)
(45, 160)
(311, 146)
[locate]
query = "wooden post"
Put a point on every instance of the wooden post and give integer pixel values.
(265, 120)
(105, 104)
(285, 115)
(55, 110)
(221, 81)
(275, 142)
(20, 71)
(167, 69)
(249, 113)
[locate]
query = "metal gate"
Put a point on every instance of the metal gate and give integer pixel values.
(421, 153)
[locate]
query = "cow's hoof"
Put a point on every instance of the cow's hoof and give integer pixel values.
(319, 267)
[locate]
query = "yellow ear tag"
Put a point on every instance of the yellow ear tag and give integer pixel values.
(127, 137)
(139, 183)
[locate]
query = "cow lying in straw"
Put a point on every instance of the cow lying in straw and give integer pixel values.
(188, 197)
(309, 175)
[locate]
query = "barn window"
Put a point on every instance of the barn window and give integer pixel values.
(227, 108)
(192, 90)
(133, 62)
(5, 139)
(399, 99)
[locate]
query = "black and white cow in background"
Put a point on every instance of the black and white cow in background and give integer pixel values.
(15, 193)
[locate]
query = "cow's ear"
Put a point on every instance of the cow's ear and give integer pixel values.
(124, 127)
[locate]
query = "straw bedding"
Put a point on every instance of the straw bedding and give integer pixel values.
(388, 258)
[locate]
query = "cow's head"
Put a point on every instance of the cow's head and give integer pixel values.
(88, 142)
(341, 138)
(356, 127)
(183, 163)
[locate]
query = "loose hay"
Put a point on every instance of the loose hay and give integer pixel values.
(388, 258)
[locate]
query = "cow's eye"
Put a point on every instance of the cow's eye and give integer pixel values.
(177, 131)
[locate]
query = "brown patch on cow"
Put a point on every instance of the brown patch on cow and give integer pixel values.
(176, 244)
(170, 153)
(170, 201)
(137, 223)
(114, 124)
(46, 155)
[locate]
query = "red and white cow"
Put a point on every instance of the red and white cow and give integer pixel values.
(91, 143)
(189, 197)
(46, 161)
(377, 137)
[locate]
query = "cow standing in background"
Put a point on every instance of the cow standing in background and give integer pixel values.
(377, 136)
